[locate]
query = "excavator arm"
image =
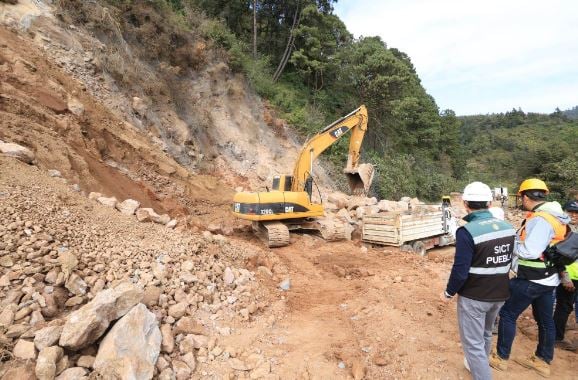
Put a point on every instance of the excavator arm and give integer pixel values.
(360, 176)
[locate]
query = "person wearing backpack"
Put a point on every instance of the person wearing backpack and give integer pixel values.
(566, 294)
(545, 225)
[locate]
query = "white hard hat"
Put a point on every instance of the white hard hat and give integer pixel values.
(497, 212)
(477, 192)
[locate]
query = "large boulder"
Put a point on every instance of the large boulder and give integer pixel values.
(131, 348)
(24, 350)
(74, 373)
(385, 205)
(338, 199)
(94, 195)
(47, 337)
(355, 202)
(17, 151)
(108, 202)
(85, 325)
(366, 210)
(46, 362)
(128, 206)
(146, 214)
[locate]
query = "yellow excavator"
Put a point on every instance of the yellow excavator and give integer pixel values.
(289, 206)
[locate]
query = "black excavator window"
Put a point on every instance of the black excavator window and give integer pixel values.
(288, 182)
(309, 186)
(276, 181)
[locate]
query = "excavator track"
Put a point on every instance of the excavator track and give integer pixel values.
(274, 234)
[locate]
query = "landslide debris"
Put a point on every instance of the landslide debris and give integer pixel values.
(70, 268)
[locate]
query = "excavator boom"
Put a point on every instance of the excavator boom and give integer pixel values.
(359, 176)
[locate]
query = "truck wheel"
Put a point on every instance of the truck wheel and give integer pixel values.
(406, 248)
(419, 248)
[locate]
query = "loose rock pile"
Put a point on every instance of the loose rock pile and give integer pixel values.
(352, 209)
(132, 207)
(70, 269)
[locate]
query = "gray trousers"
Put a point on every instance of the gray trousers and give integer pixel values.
(476, 319)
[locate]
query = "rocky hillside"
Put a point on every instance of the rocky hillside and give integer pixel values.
(59, 250)
(98, 87)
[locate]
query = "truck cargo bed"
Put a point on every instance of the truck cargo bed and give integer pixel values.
(397, 229)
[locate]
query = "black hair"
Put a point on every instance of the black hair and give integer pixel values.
(477, 205)
(535, 195)
(571, 206)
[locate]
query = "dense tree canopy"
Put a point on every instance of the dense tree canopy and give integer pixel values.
(506, 148)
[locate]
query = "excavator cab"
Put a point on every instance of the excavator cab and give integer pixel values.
(282, 183)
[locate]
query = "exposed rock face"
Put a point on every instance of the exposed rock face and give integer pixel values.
(76, 285)
(85, 325)
(17, 151)
(132, 347)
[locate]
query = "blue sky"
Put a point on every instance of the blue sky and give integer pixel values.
(479, 57)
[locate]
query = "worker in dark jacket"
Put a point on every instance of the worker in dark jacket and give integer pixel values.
(484, 248)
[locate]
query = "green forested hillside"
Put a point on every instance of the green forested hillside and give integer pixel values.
(506, 148)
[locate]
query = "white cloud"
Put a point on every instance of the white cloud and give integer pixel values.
(480, 57)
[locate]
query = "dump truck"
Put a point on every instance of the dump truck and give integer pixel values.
(417, 230)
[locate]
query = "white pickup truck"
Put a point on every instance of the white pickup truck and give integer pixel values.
(423, 228)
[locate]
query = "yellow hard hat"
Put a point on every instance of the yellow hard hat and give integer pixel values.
(533, 184)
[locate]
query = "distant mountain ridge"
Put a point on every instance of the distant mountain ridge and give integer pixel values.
(572, 113)
(505, 148)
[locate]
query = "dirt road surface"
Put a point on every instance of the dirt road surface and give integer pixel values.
(353, 312)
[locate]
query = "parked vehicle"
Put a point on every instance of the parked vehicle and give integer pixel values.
(418, 231)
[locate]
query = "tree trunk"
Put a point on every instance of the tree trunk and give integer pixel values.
(254, 29)
(289, 47)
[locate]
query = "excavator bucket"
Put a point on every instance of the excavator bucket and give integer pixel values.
(360, 179)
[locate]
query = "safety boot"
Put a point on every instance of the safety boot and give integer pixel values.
(497, 362)
(535, 363)
(566, 345)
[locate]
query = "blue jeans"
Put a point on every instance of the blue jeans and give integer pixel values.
(524, 293)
